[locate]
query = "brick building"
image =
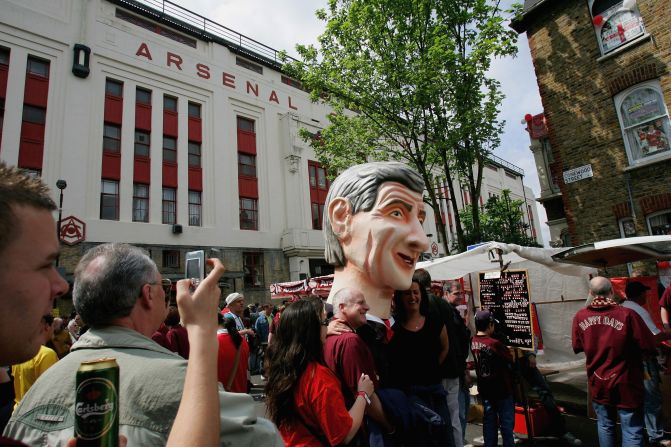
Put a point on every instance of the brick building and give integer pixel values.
(603, 75)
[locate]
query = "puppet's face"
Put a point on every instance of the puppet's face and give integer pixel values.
(386, 242)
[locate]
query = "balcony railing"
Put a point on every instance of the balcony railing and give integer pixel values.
(188, 21)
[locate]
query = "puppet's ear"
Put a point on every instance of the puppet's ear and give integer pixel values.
(340, 212)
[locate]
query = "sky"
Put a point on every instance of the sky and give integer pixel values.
(281, 24)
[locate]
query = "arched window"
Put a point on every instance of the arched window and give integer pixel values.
(614, 25)
(659, 223)
(644, 120)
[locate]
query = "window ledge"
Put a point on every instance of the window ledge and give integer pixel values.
(645, 37)
(647, 163)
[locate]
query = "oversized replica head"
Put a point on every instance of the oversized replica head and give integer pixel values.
(373, 230)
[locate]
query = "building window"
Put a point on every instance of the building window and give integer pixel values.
(142, 96)
(109, 200)
(194, 154)
(248, 214)
(169, 206)
(112, 138)
(37, 67)
(319, 185)
(248, 65)
(169, 149)
(660, 223)
(615, 25)
(114, 88)
(140, 202)
(32, 114)
(246, 164)
(169, 103)
(645, 122)
(245, 124)
(142, 143)
(171, 259)
(627, 227)
(194, 110)
(195, 208)
(253, 269)
(292, 82)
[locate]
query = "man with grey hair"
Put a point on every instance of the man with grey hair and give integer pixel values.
(373, 230)
(118, 293)
(613, 339)
(348, 356)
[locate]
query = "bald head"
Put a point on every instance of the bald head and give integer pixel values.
(600, 286)
(350, 305)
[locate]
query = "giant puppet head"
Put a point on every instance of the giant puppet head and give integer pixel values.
(373, 230)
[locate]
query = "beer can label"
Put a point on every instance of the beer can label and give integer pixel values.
(96, 409)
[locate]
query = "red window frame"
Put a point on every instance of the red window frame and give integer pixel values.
(319, 185)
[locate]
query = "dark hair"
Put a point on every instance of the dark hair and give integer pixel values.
(22, 189)
(48, 319)
(172, 319)
(296, 342)
(399, 310)
(229, 325)
(423, 278)
(482, 325)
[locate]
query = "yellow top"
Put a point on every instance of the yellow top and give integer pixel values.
(26, 373)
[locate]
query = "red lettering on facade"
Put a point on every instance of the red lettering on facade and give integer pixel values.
(254, 88)
(291, 106)
(203, 71)
(229, 79)
(143, 51)
(273, 97)
(177, 59)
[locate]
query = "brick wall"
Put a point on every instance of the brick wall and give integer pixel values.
(577, 93)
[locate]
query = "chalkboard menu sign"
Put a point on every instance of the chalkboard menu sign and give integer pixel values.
(506, 296)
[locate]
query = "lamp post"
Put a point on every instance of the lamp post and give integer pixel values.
(61, 185)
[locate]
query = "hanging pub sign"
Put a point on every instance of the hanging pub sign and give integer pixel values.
(506, 296)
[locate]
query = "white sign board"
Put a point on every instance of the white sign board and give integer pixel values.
(575, 174)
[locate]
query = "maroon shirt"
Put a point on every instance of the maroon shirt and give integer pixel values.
(493, 366)
(178, 339)
(613, 339)
(348, 356)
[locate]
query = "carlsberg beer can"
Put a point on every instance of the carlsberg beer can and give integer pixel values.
(97, 403)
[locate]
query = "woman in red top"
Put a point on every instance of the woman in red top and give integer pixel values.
(303, 396)
(229, 343)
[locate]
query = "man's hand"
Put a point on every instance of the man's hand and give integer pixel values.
(198, 309)
(337, 327)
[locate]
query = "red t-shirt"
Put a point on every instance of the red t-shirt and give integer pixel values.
(348, 356)
(226, 360)
(493, 367)
(319, 403)
(613, 339)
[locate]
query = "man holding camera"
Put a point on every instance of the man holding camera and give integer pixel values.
(118, 293)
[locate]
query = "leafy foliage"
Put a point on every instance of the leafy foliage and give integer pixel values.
(407, 80)
(502, 220)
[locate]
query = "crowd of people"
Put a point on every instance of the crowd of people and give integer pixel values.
(387, 368)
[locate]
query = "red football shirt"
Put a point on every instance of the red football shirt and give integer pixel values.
(613, 339)
(319, 403)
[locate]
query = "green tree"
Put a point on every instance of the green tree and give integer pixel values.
(502, 220)
(407, 80)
